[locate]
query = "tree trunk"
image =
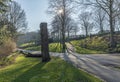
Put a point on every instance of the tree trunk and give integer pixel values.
(63, 27)
(86, 31)
(44, 42)
(112, 41)
(101, 28)
(63, 37)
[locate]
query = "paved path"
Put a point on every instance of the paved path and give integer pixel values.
(102, 65)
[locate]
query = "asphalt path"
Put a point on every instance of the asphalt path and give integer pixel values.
(104, 66)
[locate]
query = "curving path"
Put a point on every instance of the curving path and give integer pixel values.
(103, 65)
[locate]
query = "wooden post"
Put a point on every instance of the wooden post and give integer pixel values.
(44, 42)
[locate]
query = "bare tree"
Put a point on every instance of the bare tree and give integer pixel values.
(62, 9)
(71, 26)
(100, 19)
(14, 18)
(3, 5)
(85, 23)
(117, 24)
(112, 9)
(56, 28)
(73, 29)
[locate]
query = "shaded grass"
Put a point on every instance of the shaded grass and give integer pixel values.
(32, 70)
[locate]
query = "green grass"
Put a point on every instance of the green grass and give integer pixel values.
(76, 42)
(79, 49)
(32, 70)
(8, 60)
(53, 47)
(35, 48)
(27, 44)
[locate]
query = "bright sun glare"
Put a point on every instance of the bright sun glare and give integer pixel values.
(60, 11)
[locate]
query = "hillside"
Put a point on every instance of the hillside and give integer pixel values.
(96, 45)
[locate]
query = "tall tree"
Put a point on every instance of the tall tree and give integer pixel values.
(100, 19)
(112, 9)
(62, 9)
(71, 26)
(14, 18)
(3, 5)
(85, 23)
(56, 28)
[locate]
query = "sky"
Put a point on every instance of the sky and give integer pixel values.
(36, 12)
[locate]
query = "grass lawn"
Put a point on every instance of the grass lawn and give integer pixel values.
(81, 50)
(56, 47)
(32, 70)
(27, 45)
(35, 48)
(53, 47)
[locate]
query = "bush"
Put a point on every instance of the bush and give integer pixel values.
(8, 60)
(7, 48)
